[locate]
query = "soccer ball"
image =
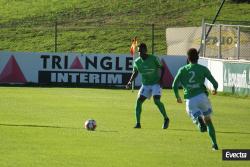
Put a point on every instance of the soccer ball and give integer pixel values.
(90, 124)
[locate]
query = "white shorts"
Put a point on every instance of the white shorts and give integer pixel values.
(150, 90)
(198, 106)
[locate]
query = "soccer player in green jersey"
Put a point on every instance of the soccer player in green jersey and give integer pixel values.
(151, 70)
(192, 77)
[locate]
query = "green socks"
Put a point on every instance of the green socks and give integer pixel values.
(138, 109)
(161, 107)
(211, 132)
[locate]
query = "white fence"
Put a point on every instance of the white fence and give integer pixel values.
(226, 41)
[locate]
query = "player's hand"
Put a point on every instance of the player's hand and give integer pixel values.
(179, 100)
(128, 85)
(214, 92)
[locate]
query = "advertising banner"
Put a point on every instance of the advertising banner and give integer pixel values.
(64, 68)
(76, 69)
(236, 78)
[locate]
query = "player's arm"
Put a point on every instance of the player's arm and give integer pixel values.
(162, 74)
(160, 65)
(210, 77)
(175, 87)
(133, 76)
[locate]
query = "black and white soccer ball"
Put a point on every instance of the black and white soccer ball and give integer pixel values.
(90, 124)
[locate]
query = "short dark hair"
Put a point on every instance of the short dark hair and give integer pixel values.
(193, 55)
(143, 46)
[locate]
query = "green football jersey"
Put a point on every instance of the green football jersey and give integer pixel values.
(149, 69)
(192, 78)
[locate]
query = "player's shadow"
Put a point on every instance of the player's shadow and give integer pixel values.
(244, 133)
(48, 126)
(223, 132)
(62, 127)
(38, 126)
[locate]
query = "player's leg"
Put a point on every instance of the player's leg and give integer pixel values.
(161, 108)
(211, 131)
(138, 109)
(193, 110)
(156, 91)
(206, 112)
(201, 125)
(143, 94)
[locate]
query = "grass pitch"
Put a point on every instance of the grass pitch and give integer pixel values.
(44, 127)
